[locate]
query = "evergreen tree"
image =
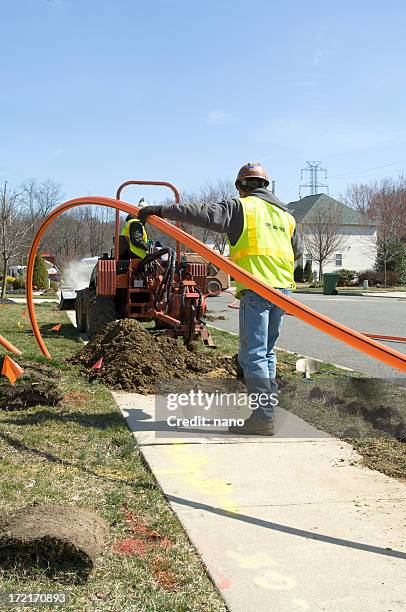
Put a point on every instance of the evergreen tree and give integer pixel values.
(400, 265)
(299, 274)
(308, 273)
(40, 273)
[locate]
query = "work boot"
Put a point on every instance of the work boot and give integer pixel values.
(255, 426)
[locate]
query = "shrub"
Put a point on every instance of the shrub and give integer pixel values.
(346, 277)
(9, 279)
(53, 288)
(316, 285)
(392, 278)
(40, 274)
(375, 278)
(19, 283)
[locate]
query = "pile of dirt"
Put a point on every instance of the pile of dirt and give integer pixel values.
(62, 542)
(36, 386)
(136, 359)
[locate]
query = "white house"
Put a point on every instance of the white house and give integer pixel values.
(356, 251)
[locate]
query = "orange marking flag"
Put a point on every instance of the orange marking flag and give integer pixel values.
(98, 364)
(56, 327)
(24, 313)
(11, 369)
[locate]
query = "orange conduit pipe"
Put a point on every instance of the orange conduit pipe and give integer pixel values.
(387, 355)
(388, 338)
(9, 347)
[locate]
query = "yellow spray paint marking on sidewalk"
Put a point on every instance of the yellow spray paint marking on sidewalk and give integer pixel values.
(274, 581)
(269, 579)
(300, 604)
(261, 559)
(193, 469)
(196, 477)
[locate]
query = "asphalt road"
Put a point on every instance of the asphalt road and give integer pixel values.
(363, 313)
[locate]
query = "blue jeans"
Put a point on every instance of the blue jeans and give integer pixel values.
(260, 324)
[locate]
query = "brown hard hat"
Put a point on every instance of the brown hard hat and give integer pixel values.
(252, 170)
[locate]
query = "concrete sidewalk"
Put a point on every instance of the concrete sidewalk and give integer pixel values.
(284, 523)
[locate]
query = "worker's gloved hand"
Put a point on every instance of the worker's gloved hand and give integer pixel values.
(144, 212)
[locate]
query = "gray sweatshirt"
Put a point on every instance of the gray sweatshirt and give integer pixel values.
(226, 217)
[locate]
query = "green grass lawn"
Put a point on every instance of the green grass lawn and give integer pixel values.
(81, 453)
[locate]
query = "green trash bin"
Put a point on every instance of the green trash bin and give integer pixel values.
(330, 280)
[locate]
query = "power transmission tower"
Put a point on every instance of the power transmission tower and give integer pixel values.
(313, 184)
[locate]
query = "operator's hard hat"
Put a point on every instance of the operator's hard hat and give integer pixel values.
(252, 170)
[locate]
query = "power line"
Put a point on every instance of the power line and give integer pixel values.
(358, 172)
(364, 176)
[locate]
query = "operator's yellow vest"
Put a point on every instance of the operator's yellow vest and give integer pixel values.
(126, 232)
(264, 248)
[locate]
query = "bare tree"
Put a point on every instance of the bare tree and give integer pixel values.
(98, 224)
(387, 210)
(210, 193)
(384, 204)
(39, 199)
(14, 231)
(359, 197)
(322, 234)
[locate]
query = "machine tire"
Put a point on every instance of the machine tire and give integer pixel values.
(101, 310)
(213, 287)
(80, 311)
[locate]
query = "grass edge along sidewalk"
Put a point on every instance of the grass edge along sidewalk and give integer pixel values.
(81, 453)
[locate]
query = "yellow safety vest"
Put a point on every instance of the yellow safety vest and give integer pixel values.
(126, 232)
(264, 248)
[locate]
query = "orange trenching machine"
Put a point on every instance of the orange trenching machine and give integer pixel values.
(162, 287)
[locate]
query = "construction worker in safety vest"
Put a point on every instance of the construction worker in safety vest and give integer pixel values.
(137, 236)
(264, 241)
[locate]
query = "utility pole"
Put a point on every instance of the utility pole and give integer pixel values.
(313, 168)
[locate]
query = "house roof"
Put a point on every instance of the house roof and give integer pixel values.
(301, 209)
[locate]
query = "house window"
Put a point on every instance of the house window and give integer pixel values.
(339, 259)
(308, 258)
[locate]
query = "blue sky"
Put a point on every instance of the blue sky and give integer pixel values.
(94, 92)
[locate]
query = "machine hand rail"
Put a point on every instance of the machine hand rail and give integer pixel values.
(353, 338)
(118, 197)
